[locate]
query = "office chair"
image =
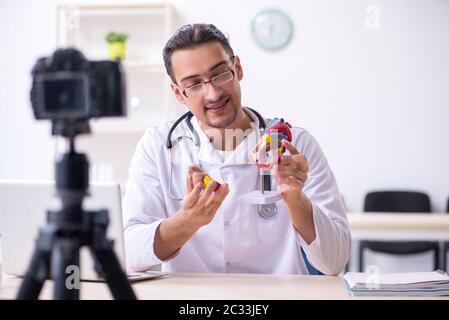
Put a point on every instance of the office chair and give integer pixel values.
(398, 201)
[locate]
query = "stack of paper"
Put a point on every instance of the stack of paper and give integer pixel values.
(420, 284)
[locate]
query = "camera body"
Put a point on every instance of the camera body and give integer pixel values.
(67, 87)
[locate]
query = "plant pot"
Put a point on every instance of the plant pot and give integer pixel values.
(116, 50)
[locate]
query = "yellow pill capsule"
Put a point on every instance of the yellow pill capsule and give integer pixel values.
(267, 138)
(207, 180)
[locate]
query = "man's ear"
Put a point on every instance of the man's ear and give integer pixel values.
(178, 94)
(238, 68)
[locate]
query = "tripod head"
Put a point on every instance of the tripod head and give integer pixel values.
(72, 177)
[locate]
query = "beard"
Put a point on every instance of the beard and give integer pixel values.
(224, 120)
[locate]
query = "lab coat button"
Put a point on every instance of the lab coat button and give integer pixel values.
(226, 223)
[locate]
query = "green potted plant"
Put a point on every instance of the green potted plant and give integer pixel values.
(116, 45)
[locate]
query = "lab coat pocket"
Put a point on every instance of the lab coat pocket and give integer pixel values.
(176, 187)
(274, 229)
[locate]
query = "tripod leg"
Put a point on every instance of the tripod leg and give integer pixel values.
(65, 255)
(35, 276)
(112, 271)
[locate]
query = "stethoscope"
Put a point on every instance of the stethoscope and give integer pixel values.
(265, 210)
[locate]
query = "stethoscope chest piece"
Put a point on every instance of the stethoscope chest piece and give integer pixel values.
(265, 201)
(268, 211)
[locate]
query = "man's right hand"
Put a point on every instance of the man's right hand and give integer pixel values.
(199, 206)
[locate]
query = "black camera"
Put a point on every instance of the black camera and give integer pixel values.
(67, 87)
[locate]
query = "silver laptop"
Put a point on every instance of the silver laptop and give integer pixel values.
(23, 207)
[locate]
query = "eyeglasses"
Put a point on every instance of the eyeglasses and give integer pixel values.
(217, 81)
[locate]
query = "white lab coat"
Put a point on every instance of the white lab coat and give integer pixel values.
(238, 239)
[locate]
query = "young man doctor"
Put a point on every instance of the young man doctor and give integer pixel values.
(210, 230)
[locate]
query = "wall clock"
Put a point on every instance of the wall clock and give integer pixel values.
(271, 29)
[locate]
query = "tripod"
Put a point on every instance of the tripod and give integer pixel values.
(67, 230)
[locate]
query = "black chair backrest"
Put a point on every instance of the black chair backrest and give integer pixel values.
(397, 201)
(447, 208)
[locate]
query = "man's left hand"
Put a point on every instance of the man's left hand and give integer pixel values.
(291, 174)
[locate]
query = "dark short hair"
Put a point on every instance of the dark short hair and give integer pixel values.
(190, 36)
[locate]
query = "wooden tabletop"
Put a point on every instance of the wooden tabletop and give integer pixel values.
(214, 286)
(399, 221)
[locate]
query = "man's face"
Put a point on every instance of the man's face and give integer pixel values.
(214, 105)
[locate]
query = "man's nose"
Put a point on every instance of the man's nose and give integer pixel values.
(213, 93)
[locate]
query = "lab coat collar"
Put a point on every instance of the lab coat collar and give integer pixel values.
(208, 153)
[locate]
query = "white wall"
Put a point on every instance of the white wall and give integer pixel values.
(376, 100)
(25, 146)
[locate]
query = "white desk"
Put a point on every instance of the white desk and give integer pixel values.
(213, 286)
(399, 226)
(199, 286)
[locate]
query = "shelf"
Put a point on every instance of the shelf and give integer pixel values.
(89, 12)
(148, 94)
(148, 26)
(119, 125)
(143, 66)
